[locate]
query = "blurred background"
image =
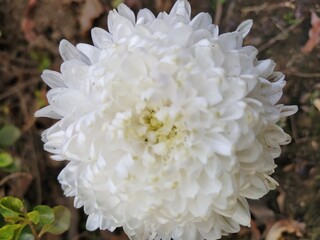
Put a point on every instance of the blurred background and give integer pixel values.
(287, 31)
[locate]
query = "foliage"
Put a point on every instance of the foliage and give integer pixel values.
(289, 18)
(9, 134)
(32, 225)
(42, 58)
(116, 3)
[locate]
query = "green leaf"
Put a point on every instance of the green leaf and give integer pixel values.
(116, 3)
(46, 214)
(11, 208)
(34, 216)
(15, 166)
(5, 159)
(8, 135)
(61, 223)
(19, 234)
(26, 236)
(7, 231)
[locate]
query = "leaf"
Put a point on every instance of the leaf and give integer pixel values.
(11, 207)
(5, 159)
(14, 167)
(8, 135)
(26, 236)
(33, 216)
(116, 3)
(46, 214)
(7, 231)
(314, 34)
(61, 223)
(18, 233)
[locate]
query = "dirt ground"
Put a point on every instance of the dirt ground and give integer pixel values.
(30, 31)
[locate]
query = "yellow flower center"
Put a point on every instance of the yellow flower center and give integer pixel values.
(157, 130)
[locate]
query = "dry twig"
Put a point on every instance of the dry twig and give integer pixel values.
(280, 36)
(218, 15)
(14, 175)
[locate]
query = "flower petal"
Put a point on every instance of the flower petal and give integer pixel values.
(53, 79)
(70, 52)
(181, 8)
(244, 27)
(126, 12)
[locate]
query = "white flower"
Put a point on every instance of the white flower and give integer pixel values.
(167, 126)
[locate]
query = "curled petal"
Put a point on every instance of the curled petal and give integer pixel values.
(201, 21)
(244, 27)
(48, 112)
(70, 52)
(181, 8)
(53, 79)
(126, 12)
(101, 38)
(145, 16)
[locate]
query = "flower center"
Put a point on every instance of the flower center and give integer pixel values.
(152, 121)
(157, 130)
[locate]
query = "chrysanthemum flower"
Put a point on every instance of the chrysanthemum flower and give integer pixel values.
(167, 126)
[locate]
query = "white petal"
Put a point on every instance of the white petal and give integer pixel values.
(65, 101)
(200, 206)
(232, 64)
(276, 76)
(250, 51)
(201, 21)
(256, 189)
(229, 225)
(207, 185)
(130, 66)
(47, 112)
(57, 157)
(220, 144)
(244, 27)
(145, 16)
(214, 30)
(288, 111)
(93, 221)
(53, 79)
(230, 41)
(51, 148)
(113, 16)
(181, 8)
(265, 68)
(198, 36)
(233, 112)
(180, 36)
(69, 52)
(251, 154)
(101, 38)
(90, 51)
(205, 226)
(242, 214)
(123, 28)
(189, 233)
(126, 12)
(74, 73)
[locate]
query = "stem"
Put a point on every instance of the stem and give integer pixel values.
(14, 175)
(33, 230)
(41, 233)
